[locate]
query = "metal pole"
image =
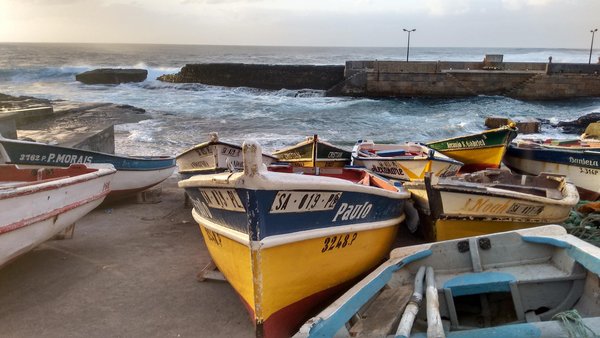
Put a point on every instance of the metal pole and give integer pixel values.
(593, 31)
(408, 45)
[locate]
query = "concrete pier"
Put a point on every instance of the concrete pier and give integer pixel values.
(522, 80)
(440, 79)
(86, 126)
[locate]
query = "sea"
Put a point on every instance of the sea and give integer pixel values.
(183, 114)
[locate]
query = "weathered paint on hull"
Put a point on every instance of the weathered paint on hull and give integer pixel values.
(458, 228)
(477, 159)
(408, 170)
(293, 278)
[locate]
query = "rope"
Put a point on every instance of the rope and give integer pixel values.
(573, 324)
(586, 227)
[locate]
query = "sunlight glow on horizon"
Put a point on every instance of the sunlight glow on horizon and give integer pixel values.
(441, 23)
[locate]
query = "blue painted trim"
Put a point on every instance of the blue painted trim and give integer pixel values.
(592, 263)
(328, 327)
(480, 282)
(547, 240)
(48, 155)
(525, 330)
(565, 156)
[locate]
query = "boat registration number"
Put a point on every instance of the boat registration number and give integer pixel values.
(299, 201)
(226, 199)
(525, 209)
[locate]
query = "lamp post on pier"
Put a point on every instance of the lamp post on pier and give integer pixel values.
(408, 46)
(592, 45)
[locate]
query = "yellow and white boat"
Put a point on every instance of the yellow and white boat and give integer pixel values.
(490, 201)
(286, 241)
(314, 152)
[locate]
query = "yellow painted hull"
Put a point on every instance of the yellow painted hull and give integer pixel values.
(271, 279)
(478, 158)
(452, 229)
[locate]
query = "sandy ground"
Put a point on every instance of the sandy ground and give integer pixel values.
(129, 271)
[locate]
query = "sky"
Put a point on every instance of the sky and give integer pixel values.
(351, 23)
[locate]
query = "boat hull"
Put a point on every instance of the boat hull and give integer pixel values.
(449, 212)
(213, 157)
(408, 170)
(296, 277)
(482, 286)
(286, 241)
(582, 167)
(478, 151)
(314, 153)
(39, 212)
(134, 174)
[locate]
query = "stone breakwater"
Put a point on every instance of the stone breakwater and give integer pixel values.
(521, 80)
(262, 76)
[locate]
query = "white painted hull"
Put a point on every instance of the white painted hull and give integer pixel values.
(406, 162)
(408, 170)
(34, 214)
(584, 178)
(137, 180)
(517, 207)
(128, 181)
(210, 158)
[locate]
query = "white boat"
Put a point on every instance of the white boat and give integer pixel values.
(213, 156)
(578, 160)
(134, 173)
(37, 204)
(538, 282)
(408, 161)
(490, 201)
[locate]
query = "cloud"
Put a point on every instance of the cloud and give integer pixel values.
(519, 4)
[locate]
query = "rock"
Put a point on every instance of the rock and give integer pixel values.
(527, 125)
(493, 122)
(112, 76)
(578, 126)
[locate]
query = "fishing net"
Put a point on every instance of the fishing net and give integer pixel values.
(584, 225)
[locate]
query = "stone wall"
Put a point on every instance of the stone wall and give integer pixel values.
(259, 75)
(523, 80)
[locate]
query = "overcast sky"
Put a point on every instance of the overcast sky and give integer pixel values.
(438, 23)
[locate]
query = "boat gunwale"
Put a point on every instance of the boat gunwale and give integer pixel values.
(504, 143)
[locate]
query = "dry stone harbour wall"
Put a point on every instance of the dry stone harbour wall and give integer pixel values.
(522, 80)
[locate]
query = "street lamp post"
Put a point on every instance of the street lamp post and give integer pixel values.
(592, 45)
(408, 46)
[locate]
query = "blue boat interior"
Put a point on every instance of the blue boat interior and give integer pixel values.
(509, 286)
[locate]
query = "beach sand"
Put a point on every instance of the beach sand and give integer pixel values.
(129, 271)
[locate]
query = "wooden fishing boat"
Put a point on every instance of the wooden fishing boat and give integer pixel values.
(212, 157)
(289, 238)
(478, 151)
(408, 161)
(576, 159)
(134, 173)
(314, 153)
(537, 282)
(489, 201)
(36, 204)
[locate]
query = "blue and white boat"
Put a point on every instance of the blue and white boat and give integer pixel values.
(288, 238)
(575, 159)
(537, 282)
(133, 174)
